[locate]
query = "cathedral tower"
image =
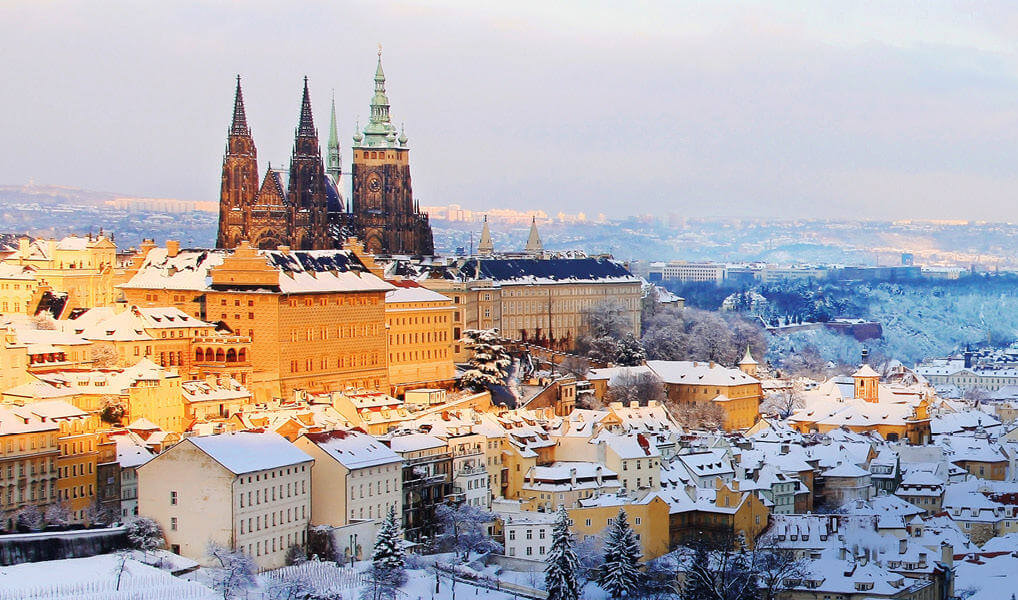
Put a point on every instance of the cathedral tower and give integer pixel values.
(306, 196)
(382, 203)
(240, 177)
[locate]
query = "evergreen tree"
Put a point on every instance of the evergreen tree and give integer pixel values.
(620, 573)
(562, 563)
(388, 552)
(490, 362)
(699, 584)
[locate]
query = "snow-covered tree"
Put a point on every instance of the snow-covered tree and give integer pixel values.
(590, 557)
(607, 319)
(703, 414)
(463, 529)
(295, 555)
(29, 517)
(620, 574)
(562, 562)
(489, 365)
(289, 585)
(236, 572)
(144, 534)
(639, 387)
(104, 356)
(57, 514)
(387, 558)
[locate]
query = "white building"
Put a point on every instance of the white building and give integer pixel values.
(245, 490)
(355, 477)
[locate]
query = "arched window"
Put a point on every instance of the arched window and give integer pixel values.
(231, 355)
(209, 357)
(242, 355)
(220, 356)
(199, 355)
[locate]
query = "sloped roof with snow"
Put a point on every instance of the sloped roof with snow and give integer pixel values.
(353, 449)
(698, 373)
(243, 452)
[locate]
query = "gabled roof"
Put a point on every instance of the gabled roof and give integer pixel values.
(353, 449)
(243, 452)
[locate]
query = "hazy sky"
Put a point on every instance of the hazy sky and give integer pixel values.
(852, 108)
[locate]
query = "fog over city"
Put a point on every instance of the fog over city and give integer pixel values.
(863, 109)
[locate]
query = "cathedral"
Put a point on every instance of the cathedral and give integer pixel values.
(303, 207)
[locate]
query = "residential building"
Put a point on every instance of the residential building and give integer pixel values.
(253, 494)
(29, 452)
(426, 481)
(355, 477)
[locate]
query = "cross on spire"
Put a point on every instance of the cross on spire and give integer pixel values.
(239, 124)
(307, 120)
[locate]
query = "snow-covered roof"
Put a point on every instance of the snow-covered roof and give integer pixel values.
(247, 451)
(416, 293)
(414, 442)
(353, 449)
(698, 373)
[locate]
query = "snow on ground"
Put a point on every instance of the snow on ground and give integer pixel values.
(95, 578)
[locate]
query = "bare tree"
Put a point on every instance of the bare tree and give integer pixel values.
(638, 387)
(104, 356)
(784, 401)
(698, 415)
(57, 514)
(236, 573)
(120, 566)
(44, 320)
(608, 318)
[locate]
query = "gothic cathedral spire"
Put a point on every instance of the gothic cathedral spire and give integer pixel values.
(334, 166)
(306, 196)
(240, 176)
(239, 124)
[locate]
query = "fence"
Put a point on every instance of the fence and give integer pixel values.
(132, 587)
(321, 575)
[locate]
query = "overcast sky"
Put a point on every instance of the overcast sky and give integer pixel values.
(840, 109)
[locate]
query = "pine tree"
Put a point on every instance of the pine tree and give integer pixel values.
(388, 551)
(490, 362)
(699, 584)
(620, 573)
(387, 571)
(560, 572)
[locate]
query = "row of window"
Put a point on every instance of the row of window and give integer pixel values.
(419, 338)
(260, 522)
(344, 331)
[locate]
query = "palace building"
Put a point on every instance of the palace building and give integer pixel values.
(303, 208)
(314, 320)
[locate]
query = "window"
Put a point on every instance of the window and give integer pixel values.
(173, 523)
(173, 498)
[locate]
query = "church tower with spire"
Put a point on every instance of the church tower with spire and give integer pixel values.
(306, 196)
(485, 247)
(240, 176)
(385, 215)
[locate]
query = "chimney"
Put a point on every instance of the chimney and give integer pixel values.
(865, 356)
(968, 357)
(634, 404)
(947, 554)
(572, 476)
(902, 545)
(172, 248)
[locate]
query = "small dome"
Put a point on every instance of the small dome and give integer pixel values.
(358, 136)
(402, 138)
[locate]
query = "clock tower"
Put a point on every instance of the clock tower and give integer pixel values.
(385, 215)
